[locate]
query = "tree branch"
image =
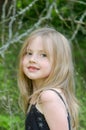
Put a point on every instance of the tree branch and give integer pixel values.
(78, 26)
(18, 38)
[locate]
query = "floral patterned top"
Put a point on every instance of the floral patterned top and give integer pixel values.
(35, 120)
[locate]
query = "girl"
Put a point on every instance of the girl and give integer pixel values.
(46, 82)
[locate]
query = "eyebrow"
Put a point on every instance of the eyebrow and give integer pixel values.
(28, 49)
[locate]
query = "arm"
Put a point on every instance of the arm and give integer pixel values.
(54, 111)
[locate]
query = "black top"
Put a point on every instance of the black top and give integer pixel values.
(35, 120)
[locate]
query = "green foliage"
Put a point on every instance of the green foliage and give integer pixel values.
(81, 94)
(10, 122)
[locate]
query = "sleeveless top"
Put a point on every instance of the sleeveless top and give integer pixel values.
(35, 120)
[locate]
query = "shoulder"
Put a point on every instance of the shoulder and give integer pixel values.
(53, 98)
(53, 109)
(50, 96)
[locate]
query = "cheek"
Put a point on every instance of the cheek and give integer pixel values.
(24, 61)
(47, 65)
(24, 65)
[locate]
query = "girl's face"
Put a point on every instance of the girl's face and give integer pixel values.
(36, 62)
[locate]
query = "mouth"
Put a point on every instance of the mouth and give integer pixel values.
(32, 68)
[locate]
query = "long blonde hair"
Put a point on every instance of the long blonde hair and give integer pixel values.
(61, 76)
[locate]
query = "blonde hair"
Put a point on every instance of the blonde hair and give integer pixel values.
(61, 76)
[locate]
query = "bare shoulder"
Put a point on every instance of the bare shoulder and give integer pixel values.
(54, 110)
(49, 95)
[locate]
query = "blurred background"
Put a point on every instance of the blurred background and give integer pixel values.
(18, 18)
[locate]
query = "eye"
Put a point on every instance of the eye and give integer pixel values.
(44, 55)
(29, 53)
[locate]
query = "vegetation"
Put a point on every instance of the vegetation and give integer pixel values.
(17, 20)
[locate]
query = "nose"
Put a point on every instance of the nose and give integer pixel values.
(33, 58)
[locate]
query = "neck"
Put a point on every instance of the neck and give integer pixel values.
(37, 85)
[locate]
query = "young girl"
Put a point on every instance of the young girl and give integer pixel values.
(46, 82)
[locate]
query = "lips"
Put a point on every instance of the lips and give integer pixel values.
(32, 68)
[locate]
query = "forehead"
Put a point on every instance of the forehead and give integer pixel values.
(40, 43)
(35, 43)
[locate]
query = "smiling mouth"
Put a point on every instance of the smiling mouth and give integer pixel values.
(32, 68)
